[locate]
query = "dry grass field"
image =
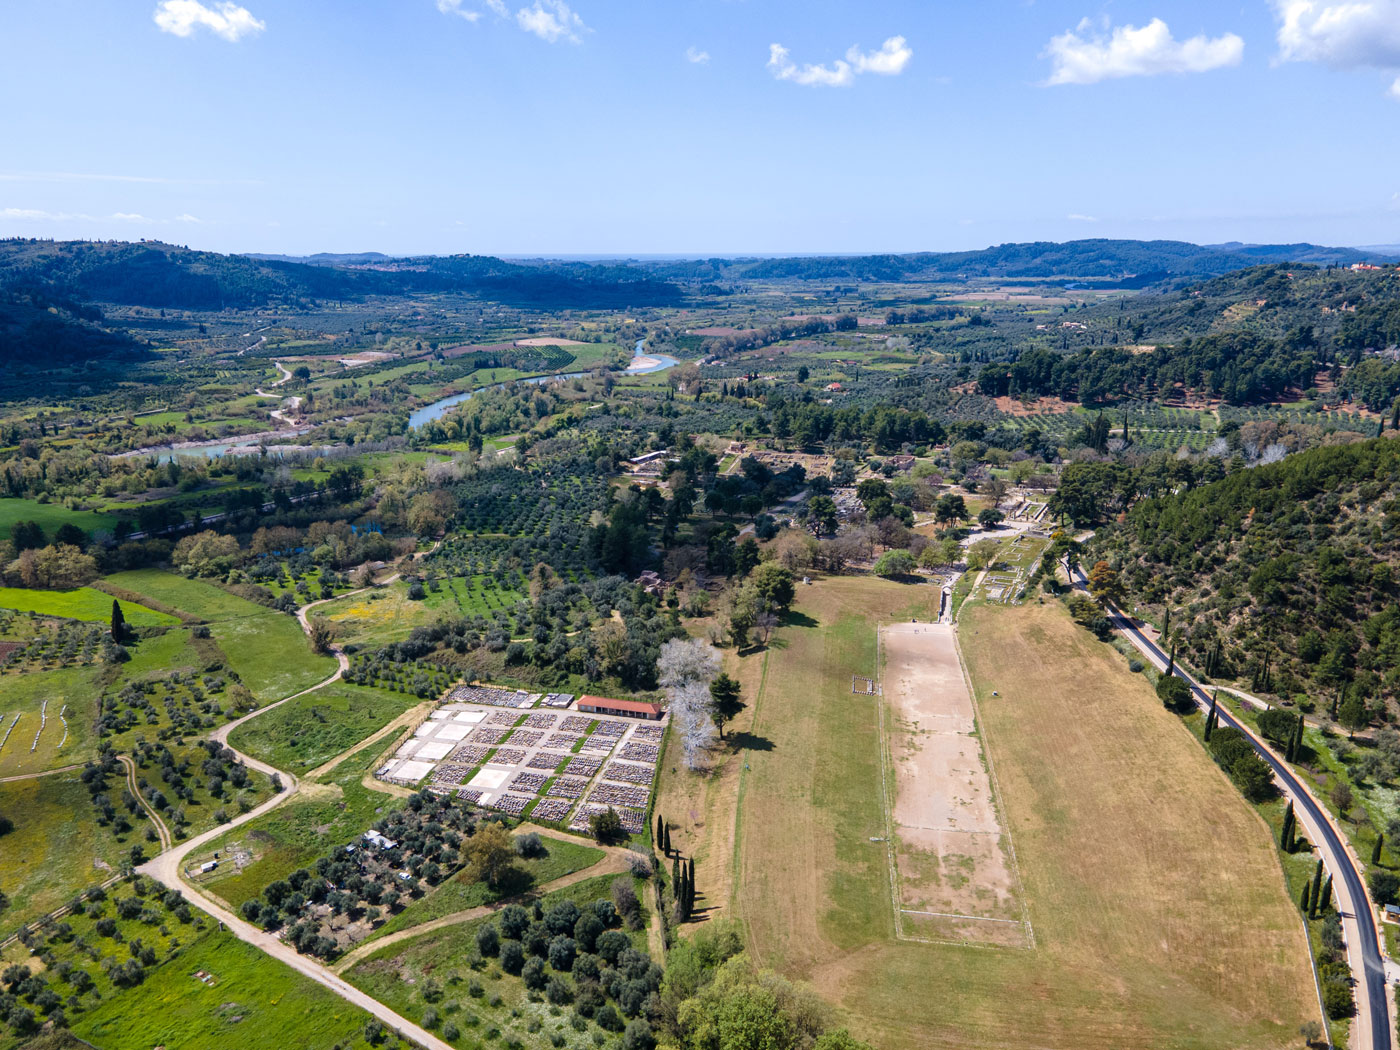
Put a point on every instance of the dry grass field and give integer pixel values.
(1157, 901)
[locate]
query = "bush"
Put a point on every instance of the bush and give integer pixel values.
(488, 941)
(1136, 666)
(512, 956)
(529, 845)
(1174, 693)
(608, 1018)
(638, 1036)
(1337, 999)
(533, 974)
(559, 991)
(1385, 886)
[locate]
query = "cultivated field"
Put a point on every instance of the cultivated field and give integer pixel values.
(1157, 902)
(84, 603)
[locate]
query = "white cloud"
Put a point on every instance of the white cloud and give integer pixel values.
(695, 55)
(130, 216)
(1089, 54)
(228, 20)
(1074, 216)
(890, 60)
(187, 217)
(551, 21)
(454, 7)
(783, 67)
(1395, 89)
(36, 215)
(1341, 35)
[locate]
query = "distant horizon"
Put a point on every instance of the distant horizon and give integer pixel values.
(602, 130)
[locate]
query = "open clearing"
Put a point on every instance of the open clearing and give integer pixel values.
(954, 874)
(1156, 897)
(81, 604)
(267, 648)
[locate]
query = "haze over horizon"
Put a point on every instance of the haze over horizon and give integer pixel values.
(589, 128)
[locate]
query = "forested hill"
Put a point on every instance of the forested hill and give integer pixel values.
(1267, 333)
(1289, 567)
(1097, 259)
(152, 274)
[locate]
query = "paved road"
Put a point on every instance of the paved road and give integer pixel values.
(1372, 1029)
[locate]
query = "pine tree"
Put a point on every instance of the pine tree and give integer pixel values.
(1376, 849)
(118, 623)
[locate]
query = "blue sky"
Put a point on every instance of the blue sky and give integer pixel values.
(697, 126)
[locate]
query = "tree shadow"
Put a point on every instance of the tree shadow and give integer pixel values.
(799, 619)
(746, 741)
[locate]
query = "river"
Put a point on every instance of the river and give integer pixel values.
(642, 364)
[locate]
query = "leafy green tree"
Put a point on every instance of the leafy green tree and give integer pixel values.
(950, 509)
(821, 512)
(725, 701)
(895, 563)
(990, 518)
(1174, 693)
(775, 587)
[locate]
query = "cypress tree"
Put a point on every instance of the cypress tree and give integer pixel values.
(668, 838)
(1376, 849)
(1210, 718)
(1171, 662)
(660, 830)
(690, 887)
(676, 872)
(1326, 895)
(118, 622)
(1286, 833)
(1306, 901)
(1316, 890)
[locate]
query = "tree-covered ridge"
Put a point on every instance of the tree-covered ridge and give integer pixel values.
(1265, 334)
(1283, 574)
(1093, 258)
(159, 275)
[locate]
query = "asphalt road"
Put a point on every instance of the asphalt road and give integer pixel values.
(1372, 1031)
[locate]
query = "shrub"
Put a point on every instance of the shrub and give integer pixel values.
(608, 1018)
(559, 991)
(488, 941)
(1174, 693)
(533, 974)
(529, 845)
(512, 956)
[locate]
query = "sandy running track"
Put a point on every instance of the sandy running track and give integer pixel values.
(954, 878)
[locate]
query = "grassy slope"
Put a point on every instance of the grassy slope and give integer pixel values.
(266, 648)
(81, 604)
(312, 729)
(56, 849)
(1159, 910)
(256, 1004)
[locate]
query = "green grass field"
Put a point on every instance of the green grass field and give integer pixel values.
(457, 894)
(1157, 901)
(386, 614)
(24, 695)
(266, 648)
(81, 604)
(305, 732)
(324, 814)
(50, 516)
(254, 1003)
(57, 848)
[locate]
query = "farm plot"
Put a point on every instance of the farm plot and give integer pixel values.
(954, 877)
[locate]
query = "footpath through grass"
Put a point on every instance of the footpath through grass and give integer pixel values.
(1160, 912)
(267, 648)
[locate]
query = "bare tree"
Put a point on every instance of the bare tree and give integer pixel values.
(685, 670)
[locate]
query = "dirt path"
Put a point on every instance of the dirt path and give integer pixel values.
(161, 829)
(615, 863)
(36, 776)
